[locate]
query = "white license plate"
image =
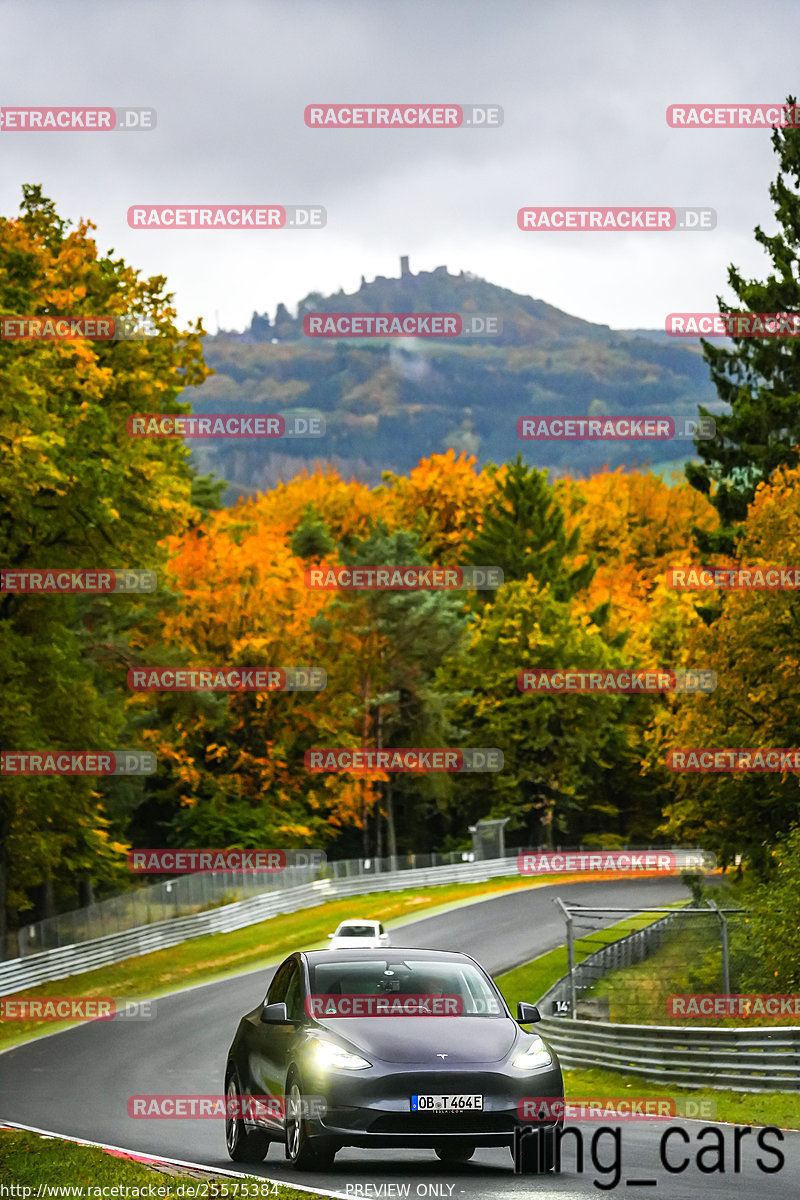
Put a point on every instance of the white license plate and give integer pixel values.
(447, 1104)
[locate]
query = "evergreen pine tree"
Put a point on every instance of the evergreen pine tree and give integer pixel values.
(759, 377)
(523, 532)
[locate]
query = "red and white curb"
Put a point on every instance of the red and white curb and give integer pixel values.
(133, 1156)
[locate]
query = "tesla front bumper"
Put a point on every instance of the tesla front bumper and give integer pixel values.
(372, 1107)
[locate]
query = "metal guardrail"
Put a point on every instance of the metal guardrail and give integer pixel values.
(763, 1059)
(744, 1060)
(185, 895)
(19, 973)
(188, 894)
(615, 956)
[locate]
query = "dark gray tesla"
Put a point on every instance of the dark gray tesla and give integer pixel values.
(450, 1083)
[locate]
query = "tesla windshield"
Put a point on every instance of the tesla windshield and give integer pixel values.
(411, 977)
(356, 931)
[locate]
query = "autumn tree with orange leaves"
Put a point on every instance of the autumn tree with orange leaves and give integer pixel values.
(77, 492)
(235, 765)
(753, 647)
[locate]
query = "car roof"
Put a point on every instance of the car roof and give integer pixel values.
(394, 954)
(357, 921)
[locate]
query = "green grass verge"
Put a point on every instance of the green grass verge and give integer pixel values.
(533, 979)
(740, 1108)
(220, 955)
(28, 1160)
(686, 964)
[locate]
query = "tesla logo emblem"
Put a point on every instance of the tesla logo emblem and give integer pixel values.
(441, 1056)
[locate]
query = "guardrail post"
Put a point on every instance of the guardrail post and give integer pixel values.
(726, 966)
(570, 956)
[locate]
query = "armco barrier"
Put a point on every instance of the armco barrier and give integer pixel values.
(762, 1059)
(625, 952)
(766, 1059)
(185, 895)
(18, 973)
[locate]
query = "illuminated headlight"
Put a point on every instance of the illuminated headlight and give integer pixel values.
(325, 1055)
(535, 1056)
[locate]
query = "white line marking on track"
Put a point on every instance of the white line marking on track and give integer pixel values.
(176, 1162)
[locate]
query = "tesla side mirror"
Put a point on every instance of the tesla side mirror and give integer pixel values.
(275, 1014)
(330, 935)
(527, 1013)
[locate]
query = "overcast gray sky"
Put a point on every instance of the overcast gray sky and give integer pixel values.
(584, 88)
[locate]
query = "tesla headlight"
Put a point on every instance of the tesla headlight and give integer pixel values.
(325, 1054)
(537, 1055)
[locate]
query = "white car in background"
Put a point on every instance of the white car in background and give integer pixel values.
(355, 934)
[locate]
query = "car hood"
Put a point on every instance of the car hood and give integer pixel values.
(421, 1039)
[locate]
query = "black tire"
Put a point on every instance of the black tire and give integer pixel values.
(536, 1153)
(244, 1145)
(304, 1152)
(455, 1152)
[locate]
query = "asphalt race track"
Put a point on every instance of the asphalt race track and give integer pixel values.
(78, 1082)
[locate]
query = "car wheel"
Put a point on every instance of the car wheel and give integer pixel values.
(303, 1152)
(455, 1152)
(243, 1145)
(536, 1153)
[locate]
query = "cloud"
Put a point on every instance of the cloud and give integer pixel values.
(584, 88)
